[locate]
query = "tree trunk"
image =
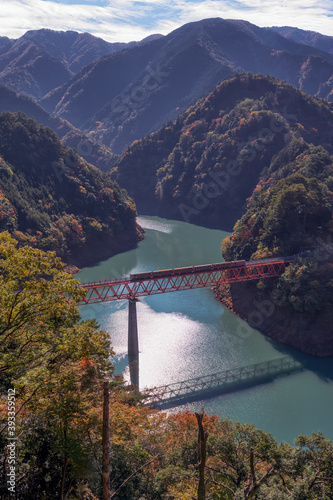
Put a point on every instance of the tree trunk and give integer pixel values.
(202, 455)
(252, 480)
(106, 443)
(63, 477)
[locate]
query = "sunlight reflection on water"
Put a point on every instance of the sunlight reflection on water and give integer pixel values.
(149, 223)
(189, 334)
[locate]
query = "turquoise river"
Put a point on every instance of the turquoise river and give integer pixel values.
(188, 334)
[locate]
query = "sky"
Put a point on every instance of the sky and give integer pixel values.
(127, 20)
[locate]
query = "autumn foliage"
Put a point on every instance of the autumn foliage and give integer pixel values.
(56, 363)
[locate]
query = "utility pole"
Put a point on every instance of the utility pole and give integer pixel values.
(106, 443)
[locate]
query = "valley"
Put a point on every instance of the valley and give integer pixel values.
(213, 142)
(220, 163)
(188, 334)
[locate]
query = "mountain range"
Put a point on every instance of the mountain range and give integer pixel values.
(118, 93)
(126, 95)
(41, 60)
(92, 151)
(305, 37)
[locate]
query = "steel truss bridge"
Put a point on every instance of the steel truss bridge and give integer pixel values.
(178, 393)
(187, 278)
(173, 280)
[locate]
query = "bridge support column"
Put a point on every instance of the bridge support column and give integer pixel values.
(133, 344)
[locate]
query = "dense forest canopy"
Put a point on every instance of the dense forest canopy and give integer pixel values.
(254, 149)
(93, 152)
(50, 198)
(202, 167)
(56, 363)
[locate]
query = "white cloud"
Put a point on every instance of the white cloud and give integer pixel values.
(305, 14)
(125, 20)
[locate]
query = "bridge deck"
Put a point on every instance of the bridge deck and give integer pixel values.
(171, 395)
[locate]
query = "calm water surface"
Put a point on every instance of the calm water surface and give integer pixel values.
(188, 334)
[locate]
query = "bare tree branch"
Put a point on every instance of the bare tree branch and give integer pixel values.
(134, 473)
(224, 486)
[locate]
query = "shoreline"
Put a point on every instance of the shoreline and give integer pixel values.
(309, 333)
(101, 249)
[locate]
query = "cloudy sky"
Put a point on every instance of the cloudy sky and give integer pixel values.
(126, 20)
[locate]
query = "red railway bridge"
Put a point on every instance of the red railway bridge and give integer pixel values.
(183, 278)
(173, 280)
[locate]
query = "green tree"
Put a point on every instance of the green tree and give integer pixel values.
(40, 324)
(297, 205)
(55, 362)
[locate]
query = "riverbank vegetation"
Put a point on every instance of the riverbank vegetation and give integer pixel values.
(290, 213)
(56, 363)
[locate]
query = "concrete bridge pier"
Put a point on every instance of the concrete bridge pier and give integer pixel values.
(133, 344)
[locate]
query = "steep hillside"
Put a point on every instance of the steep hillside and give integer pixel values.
(98, 83)
(290, 212)
(126, 95)
(5, 44)
(204, 166)
(51, 199)
(42, 60)
(305, 37)
(93, 152)
(76, 50)
(27, 68)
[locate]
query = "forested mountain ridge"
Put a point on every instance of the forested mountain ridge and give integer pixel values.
(203, 167)
(27, 68)
(290, 212)
(52, 199)
(258, 150)
(41, 60)
(126, 95)
(306, 37)
(75, 49)
(93, 152)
